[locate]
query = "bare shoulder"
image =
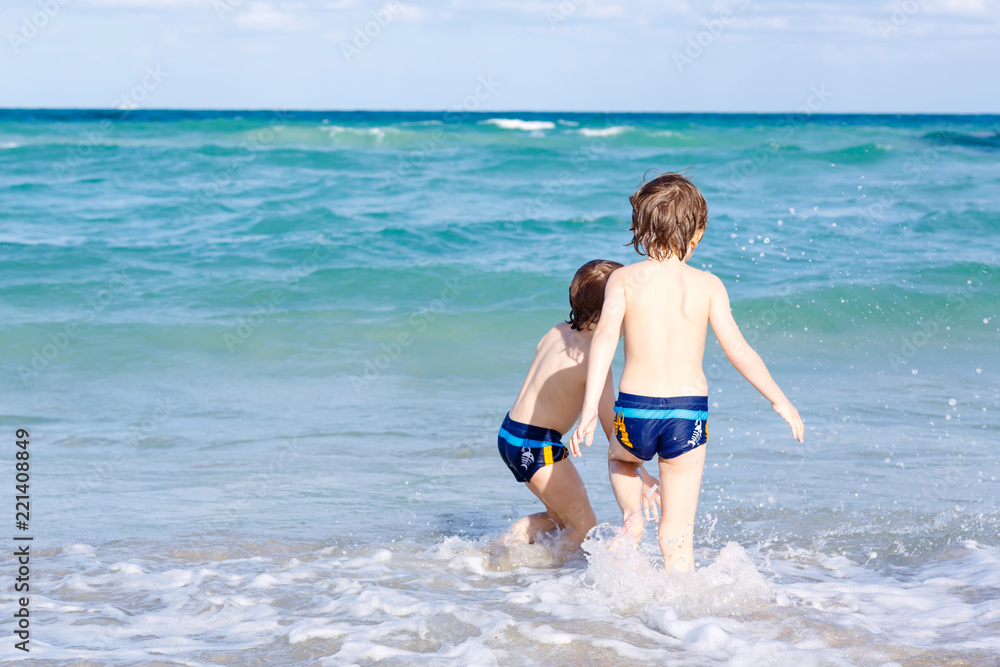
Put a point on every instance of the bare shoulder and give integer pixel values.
(560, 349)
(625, 272)
(627, 278)
(710, 281)
(555, 333)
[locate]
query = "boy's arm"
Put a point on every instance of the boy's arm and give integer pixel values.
(650, 494)
(602, 350)
(605, 412)
(606, 407)
(746, 360)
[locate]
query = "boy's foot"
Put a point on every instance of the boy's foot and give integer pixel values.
(631, 532)
(633, 527)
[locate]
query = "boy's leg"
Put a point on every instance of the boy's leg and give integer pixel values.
(528, 528)
(559, 486)
(680, 482)
(623, 469)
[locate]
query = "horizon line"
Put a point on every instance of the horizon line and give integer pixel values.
(510, 111)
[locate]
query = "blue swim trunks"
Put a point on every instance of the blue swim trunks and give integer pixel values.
(666, 426)
(526, 448)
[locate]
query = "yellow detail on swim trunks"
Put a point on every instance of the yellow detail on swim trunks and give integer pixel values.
(620, 430)
(548, 456)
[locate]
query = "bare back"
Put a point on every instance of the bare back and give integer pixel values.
(552, 393)
(667, 307)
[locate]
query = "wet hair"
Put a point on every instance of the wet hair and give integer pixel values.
(586, 292)
(667, 213)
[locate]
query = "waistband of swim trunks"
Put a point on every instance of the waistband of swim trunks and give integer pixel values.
(529, 432)
(699, 403)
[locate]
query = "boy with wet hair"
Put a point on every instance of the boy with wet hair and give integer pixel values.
(530, 439)
(663, 308)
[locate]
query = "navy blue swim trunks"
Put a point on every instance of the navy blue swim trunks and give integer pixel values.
(666, 426)
(526, 448)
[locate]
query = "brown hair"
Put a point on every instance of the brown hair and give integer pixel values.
(586, 292)
(667, 213)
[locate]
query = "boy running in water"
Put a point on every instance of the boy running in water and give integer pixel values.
(663, 307)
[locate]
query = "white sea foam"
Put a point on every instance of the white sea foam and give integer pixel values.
(377, 132)
(443, 603)
(611, 131)
(518, 124)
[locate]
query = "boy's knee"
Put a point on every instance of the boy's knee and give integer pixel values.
(617, 465)
(618, 453)
(582, 515)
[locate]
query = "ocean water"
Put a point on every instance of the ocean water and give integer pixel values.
(262, 357)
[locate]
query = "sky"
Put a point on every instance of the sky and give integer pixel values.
(902, 56)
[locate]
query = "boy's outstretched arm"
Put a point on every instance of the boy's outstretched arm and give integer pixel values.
(606, 407)
(605, 413)
(602, 351)
(747, 361)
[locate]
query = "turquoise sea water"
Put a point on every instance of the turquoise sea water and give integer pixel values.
(263, 356)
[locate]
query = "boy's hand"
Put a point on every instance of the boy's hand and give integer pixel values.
(584, 431)
(650, 496)
(791, 415)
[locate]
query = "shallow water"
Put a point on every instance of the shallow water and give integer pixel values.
(270, 437)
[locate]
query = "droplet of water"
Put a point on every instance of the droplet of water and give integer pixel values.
(952, 401)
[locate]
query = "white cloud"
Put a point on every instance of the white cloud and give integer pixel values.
(604, 11)
(410, 13)
(264, 16)
(964, 7)
(148, 4)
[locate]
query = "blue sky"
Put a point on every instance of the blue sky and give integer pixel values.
(910, 56)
